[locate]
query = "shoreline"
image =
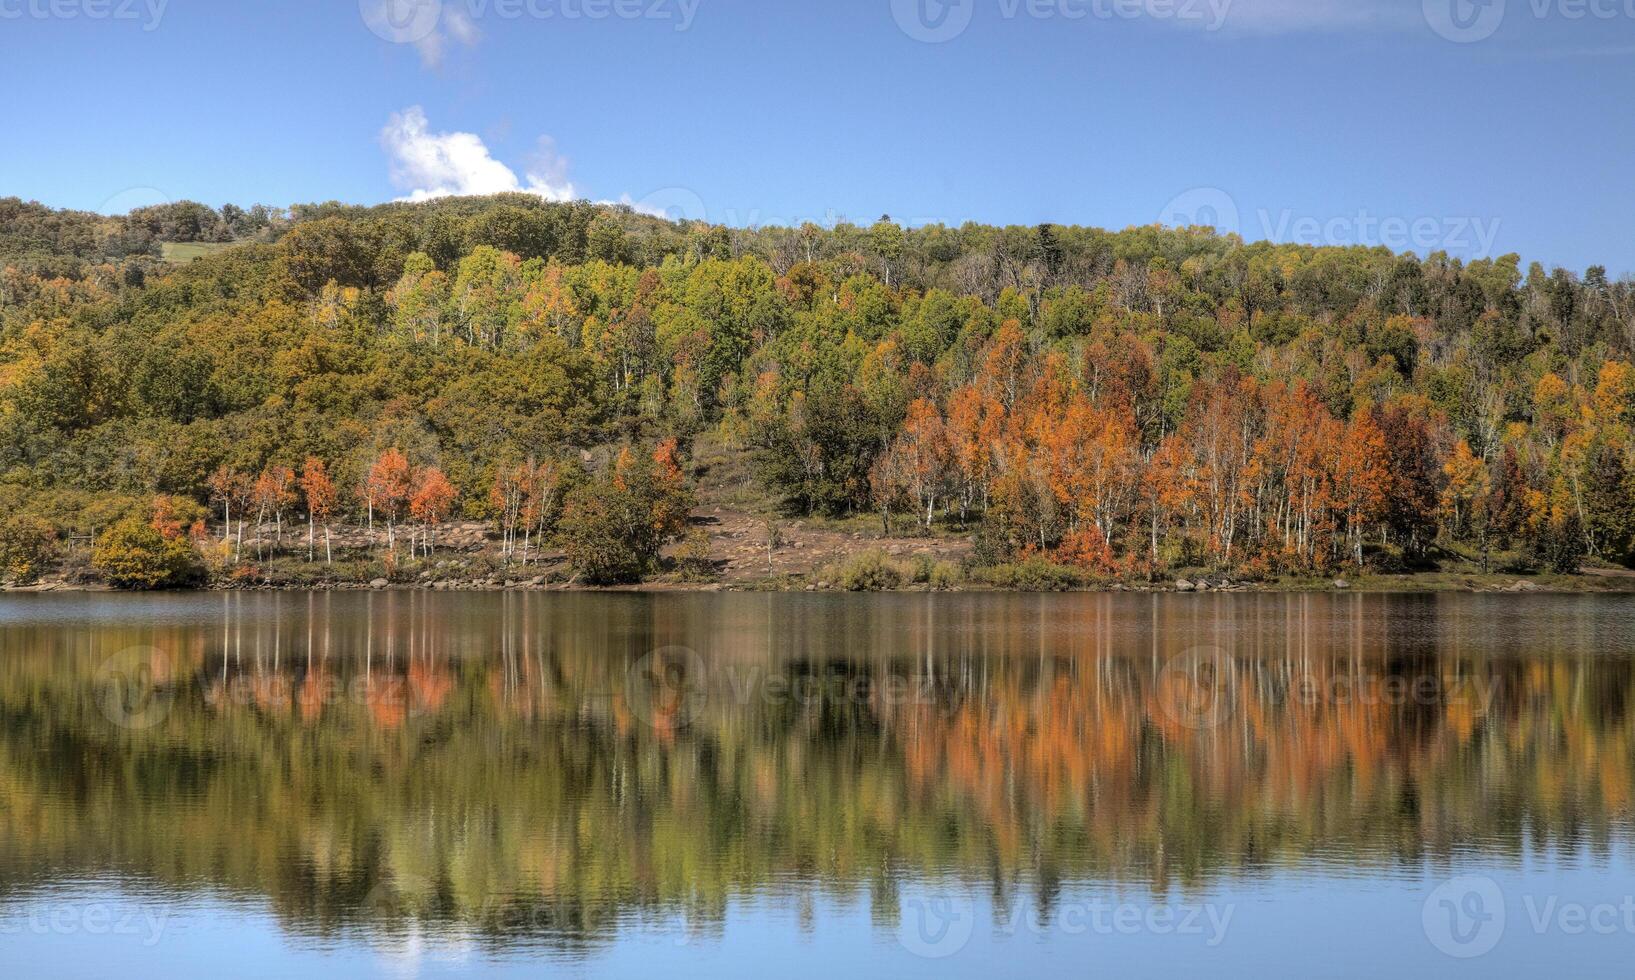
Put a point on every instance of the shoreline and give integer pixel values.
(812, 557)
(1591, 583)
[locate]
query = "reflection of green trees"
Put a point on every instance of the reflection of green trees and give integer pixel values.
(481, 764)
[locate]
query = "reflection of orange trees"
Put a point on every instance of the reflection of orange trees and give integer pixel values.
(385, 698)
(272, 693)
(429, 683)
(310, 700)
(1091, 736)
(1312, 751)
(1008, 752)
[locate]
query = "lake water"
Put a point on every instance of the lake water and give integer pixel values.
(426, 784)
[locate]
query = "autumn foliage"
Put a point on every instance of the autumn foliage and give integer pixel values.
(1130, 403)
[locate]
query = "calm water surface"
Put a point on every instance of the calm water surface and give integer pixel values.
(418, 784)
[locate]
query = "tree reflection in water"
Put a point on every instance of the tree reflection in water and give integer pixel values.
(546, 769)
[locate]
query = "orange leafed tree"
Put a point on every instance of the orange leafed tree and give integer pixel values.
(1362, 479)
(672, 503)
(430, 503)
(386, 489)
(165, 517)
(274, 490)
(918, 461)
(975, 421)
(524, 497)
(1210, 467)
(321, 498)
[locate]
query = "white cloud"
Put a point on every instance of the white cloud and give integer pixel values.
(429, 165)
(640, 207)
(669, 203)
(426, 24)
(460, 26)
(453, 25)
(548, 172)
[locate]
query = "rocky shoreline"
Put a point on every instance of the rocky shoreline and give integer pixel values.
(808, 557)
(1563, 585)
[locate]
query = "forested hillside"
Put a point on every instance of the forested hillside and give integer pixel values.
(1083, 404)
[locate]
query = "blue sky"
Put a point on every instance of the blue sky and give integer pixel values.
(1306, 120)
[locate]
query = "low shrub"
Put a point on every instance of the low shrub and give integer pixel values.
(132, 554)
(870, 571)
(27, 545)
(944, 575)
(1033, 574)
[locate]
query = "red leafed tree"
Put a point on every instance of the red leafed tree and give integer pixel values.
(1361, 480)
(918, 462)
(386, 489)
(431, 501)
(672, 503)
(165, 517)
(274, 490)
(975, 421)
(524, 498)
(320, 494)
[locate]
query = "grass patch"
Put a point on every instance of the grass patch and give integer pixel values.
(1035, 574)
